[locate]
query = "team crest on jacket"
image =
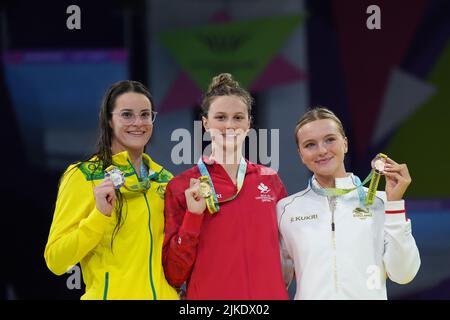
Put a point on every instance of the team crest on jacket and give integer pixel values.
(362, 213)
(264, 193)
(263, 188)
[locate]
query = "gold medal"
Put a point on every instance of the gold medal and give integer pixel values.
(205, 188)
(207, 193)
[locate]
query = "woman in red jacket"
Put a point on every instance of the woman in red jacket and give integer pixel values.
(221, 234)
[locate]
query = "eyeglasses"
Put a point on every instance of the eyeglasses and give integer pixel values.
(129, 117)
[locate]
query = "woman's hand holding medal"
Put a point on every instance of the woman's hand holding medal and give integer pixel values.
(105, 196)
(194, 200)
(397, 179)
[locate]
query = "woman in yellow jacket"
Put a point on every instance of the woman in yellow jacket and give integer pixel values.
(109, 214)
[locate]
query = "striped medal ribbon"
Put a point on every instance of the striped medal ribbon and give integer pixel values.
(378, 164)
(207, 186)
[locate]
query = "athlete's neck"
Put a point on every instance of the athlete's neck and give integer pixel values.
(230, 161)
(329, 181)
(134, 155)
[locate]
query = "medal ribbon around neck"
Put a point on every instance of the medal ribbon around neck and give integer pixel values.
(212, 201)
(365, 201)
(333, 192)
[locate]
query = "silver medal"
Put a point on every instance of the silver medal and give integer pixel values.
(116, 176)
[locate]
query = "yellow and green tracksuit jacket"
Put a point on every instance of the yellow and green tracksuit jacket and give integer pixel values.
(81, 234)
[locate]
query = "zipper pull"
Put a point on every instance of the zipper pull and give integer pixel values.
(332, 226)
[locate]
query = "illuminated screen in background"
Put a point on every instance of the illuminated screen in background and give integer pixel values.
(56, 97)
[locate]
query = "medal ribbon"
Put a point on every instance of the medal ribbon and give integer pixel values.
(212, 201)
(374, 183)
(143, 182)
(144, 170)
(365, 201)
(333, 192)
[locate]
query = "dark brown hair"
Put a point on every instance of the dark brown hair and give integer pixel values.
(224, 85)
(103, 153)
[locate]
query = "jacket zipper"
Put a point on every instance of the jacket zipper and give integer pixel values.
(151, 238)
(105, 290)
(151, 249)
(332, 205)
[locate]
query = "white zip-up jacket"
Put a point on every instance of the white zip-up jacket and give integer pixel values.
(353, 260)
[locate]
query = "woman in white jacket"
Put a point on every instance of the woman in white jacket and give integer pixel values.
(338, 248)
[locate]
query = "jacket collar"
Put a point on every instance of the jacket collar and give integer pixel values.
(122, 160)
(341, 183)
(212, 164)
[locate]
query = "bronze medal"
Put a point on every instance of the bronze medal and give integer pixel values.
(378, 163)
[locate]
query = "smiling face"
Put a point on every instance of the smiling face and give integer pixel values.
(228, 122)
(130, 123)
(322, 148)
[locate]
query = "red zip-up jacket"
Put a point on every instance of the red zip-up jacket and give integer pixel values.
(233, 254)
